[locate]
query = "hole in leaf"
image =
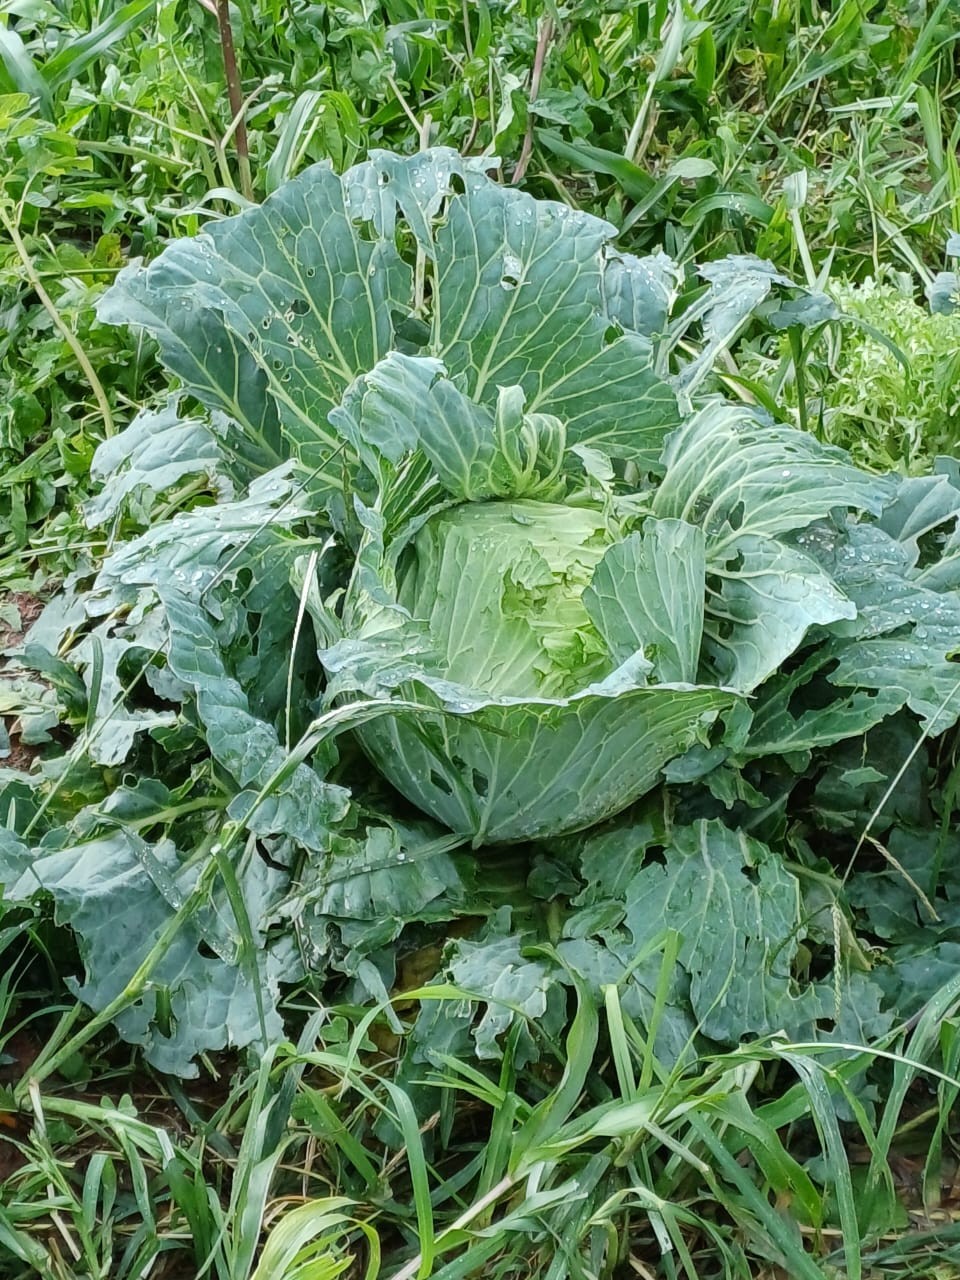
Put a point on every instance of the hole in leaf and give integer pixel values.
(264, 853)
(480, 783)
(440, 782)
(299, 306)
(412, 330)
(814, 694)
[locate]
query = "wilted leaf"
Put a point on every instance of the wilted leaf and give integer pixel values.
(105, 891)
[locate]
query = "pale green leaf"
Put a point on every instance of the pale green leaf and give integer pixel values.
(769, 597)
(406, 403)
(368, 888)
(640, 292)
(191, 548)
(943, 293)
(732, 475)
(647, 595)
(782, 723)
(518, 301)
(113, 724)
(905, 636)
(301, 805)
(747, 485)
(155, 452)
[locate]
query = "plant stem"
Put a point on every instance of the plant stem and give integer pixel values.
(235, 96)
(544, 36)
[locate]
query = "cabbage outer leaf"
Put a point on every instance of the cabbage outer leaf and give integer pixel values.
(270, 315)
(510, 769)
(732, 474)
(748, 485)
(648, 591)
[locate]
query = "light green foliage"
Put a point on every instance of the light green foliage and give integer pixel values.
(882, 382)
(895, 408)
(500, 586)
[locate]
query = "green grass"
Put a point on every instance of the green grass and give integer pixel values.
(821, 136)
(678, 1173)
(881, 382)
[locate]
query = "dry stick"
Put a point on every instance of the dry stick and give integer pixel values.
(544, 36)
(405, 106)
(235, 96)
(471, 136)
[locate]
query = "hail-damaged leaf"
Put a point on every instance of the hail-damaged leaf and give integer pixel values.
(115, 893)
(738, 913)
(270, 315)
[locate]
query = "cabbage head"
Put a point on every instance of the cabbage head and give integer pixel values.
(500, 586)
(531, 719)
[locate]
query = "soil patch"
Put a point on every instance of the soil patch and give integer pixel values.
(29, 608)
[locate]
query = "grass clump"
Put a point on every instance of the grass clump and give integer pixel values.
(893, 394)
(882, 380)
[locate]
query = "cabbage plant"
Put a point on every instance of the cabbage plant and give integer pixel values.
(559, 576)
(455, 427)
